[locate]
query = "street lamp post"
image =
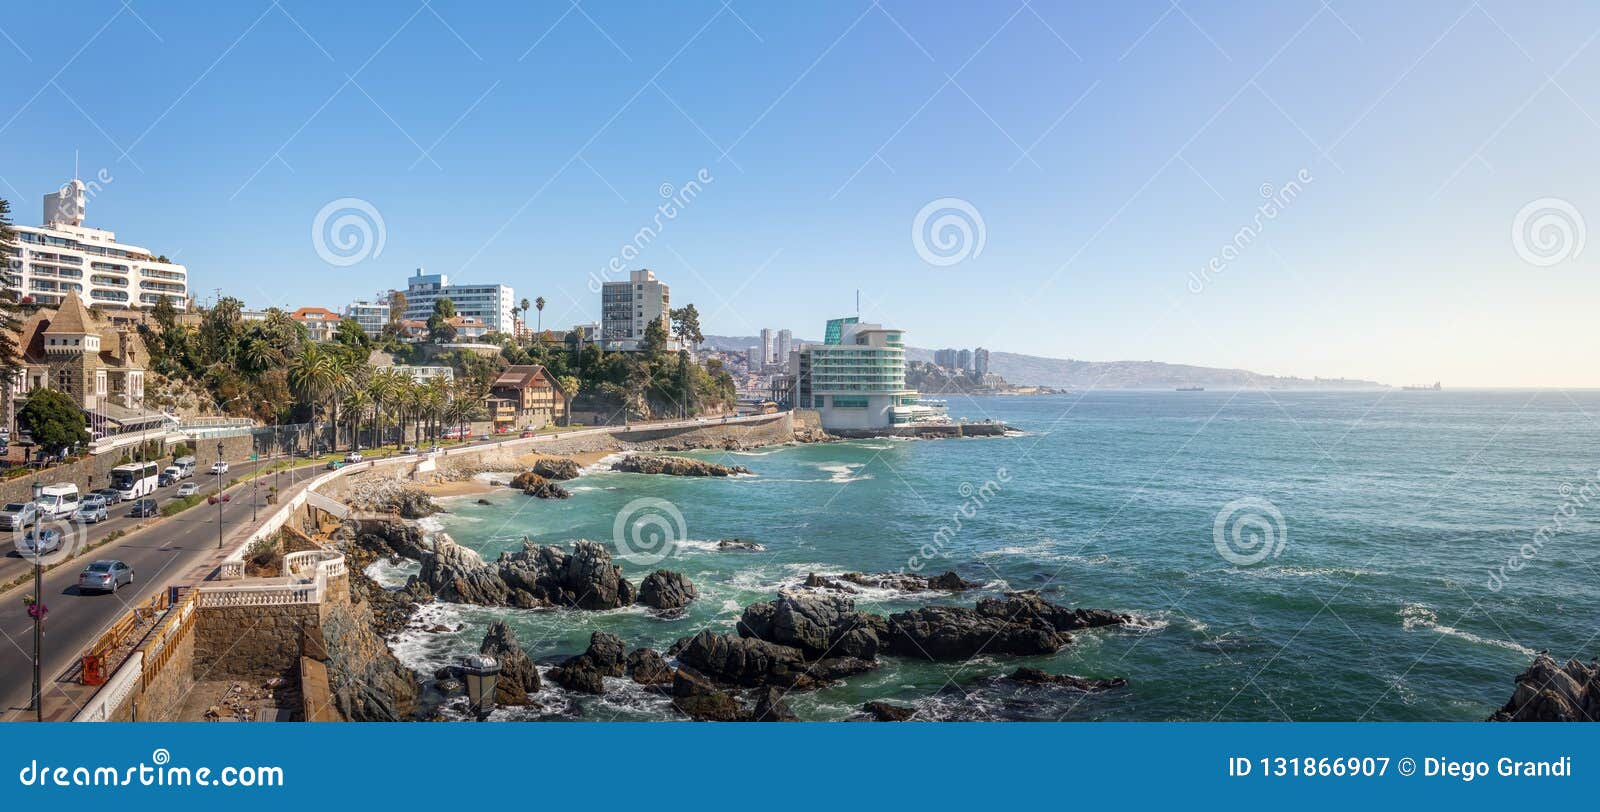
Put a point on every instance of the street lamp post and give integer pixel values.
(37, 609)
(480, 672)
(218, 468)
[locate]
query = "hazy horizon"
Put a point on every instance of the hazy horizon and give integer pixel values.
(1359, 190)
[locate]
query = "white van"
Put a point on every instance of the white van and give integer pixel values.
(185, 466)
(60, 499)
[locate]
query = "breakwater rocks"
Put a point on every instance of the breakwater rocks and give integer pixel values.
(1551, 692)
(674, 466)
(557, 468)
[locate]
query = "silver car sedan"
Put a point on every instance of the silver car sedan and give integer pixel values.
(105, 576)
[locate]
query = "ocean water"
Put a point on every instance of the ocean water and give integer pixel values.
(1378, 518)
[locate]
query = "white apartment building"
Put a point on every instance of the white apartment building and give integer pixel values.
(785, 346)
(372, 316)
(490, 304)
(626, 308)
(63, 255)
(856, 380)
(768, 348)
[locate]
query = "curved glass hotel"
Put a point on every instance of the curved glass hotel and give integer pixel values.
(856, 379)
(63, 255)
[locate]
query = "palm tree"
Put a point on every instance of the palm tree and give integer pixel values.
(356, 402)
(524, 308)
(314, 376)
(539, 304)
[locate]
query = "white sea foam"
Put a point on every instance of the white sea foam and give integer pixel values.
(1416, 616)
(392, 574)
(844, 471)
(603, 464)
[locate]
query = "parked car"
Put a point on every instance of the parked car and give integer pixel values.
(111, 495)
(334, 465)
(16, 515)
(353, 457)
(168, 477)
(144, 509)
(40, 540)
(188, 489)
(410, 449)
(93, 509)
(219, 467)
(105, 576)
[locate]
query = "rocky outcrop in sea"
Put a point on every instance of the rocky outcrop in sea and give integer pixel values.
(674, 466)
(583, 673)
(557, 468)
(536, 484)
(533, 577)
(518, 675)
(1551, 692)
(666, 590)
(853, 582)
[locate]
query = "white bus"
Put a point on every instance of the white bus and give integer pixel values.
(136, 479)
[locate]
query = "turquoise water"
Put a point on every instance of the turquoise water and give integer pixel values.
(1394, 506)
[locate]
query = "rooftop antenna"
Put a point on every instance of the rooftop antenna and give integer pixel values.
(858, 303)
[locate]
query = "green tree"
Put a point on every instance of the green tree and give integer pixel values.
(397, 306)
(538, 304)
(10, 310)
(53, 420)
(439, 328)
(655, 339)
(686, 324)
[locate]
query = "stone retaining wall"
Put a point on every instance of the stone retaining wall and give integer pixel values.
(252, 642)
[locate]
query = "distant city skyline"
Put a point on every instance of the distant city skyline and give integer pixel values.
(1354, 190)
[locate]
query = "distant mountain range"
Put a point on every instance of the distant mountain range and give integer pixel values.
(1033, 370)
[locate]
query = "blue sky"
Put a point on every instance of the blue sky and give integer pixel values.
(1111, 151)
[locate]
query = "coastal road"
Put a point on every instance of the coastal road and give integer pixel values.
(159, 554)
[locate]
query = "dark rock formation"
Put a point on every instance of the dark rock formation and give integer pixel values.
(603, 658)
(739, 544)
(674, 466)
(518, 676)
(820, 626)
(695, 697)
(529, 578)
(1551, 692)
(1022, 623)
(885, 712)
(905, 582)
(485, 502)
(647, 668)
(1028, 608)
(770, 707)
(750, 662)
(557, 468)
(534, 484)
(367, 682)
(955, 633)
(1034, 676)
(665, 589)
(412, 503)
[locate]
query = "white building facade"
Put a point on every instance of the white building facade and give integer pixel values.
(490, 304)
(63, 255)
(372, 316)
(627, 308)
(857, 379)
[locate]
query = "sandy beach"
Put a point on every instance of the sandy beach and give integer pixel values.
(479, 484)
